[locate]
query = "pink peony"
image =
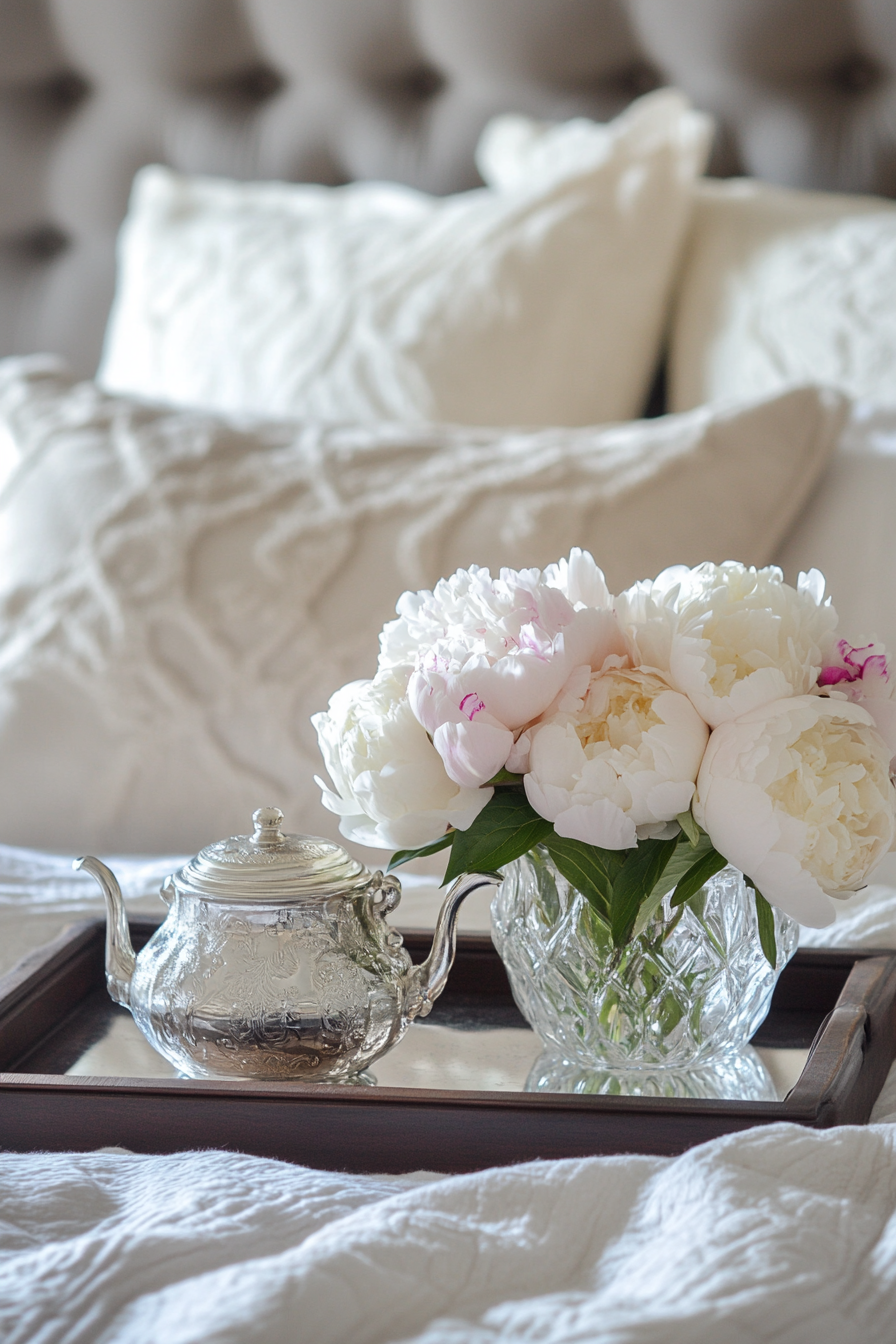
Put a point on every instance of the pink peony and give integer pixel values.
(493, 654)
(862, 675)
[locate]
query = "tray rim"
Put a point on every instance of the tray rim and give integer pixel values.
(830, 1079)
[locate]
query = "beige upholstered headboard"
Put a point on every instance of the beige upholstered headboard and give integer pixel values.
(330, 90)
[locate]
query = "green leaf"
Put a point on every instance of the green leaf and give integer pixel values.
(700, 872)
(405, 855)
(683, 859)
(506, 827)
(689, 826)
(503, 776)
(634, 883)
(765, 918)
(590, 869)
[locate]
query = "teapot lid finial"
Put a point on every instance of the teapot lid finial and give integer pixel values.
(267, 826)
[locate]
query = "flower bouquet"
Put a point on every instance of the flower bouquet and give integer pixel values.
(702, 739)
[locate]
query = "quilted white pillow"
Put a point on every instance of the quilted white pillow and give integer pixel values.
(783, 287)
(847, 528)
(179, 593)
(541, 301)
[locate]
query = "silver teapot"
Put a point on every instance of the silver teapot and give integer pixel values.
(275, 959)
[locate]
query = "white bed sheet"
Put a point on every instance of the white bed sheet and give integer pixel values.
(778, 1233)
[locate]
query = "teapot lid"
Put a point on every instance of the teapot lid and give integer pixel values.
(271, 865)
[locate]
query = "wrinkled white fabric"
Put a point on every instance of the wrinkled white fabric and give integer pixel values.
(781, 286)
(867, 919)
(776, 1233)
(180, 593)
(40, 895)
(541, 302)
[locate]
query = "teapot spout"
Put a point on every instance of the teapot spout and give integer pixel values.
(120, 958)
(430, 978)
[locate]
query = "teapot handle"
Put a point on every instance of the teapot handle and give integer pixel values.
(427, 981)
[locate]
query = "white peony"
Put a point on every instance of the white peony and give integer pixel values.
(797, 795)
(391, 789)
(648, 617)
(492, 654)
(863, 676)
(621, 765)
(729, 637)
(580, 580)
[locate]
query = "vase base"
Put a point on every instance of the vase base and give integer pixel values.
(740, 1076)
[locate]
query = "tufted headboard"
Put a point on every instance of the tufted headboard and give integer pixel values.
(331, 90)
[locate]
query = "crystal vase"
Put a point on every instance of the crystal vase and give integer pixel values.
(684, 996)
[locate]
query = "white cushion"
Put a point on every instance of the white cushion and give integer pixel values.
(542, 301)
(179, 593)
(847, 528)
(782, 287)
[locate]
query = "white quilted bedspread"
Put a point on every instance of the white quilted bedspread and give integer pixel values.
(781, 1234)
(776, 1234)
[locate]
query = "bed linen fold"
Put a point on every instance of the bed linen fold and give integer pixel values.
(779, 1233)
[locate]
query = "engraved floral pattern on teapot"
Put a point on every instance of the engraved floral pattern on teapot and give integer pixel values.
(275, 960)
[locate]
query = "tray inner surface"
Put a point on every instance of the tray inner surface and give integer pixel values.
(474, 1040)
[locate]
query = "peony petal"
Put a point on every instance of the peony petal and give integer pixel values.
(598, 823)
(738, 815)
(548, 800)
(592, 637)
(556, 755)
(332, 801)
(580, 580)
(658, 830)
(516, 690)
(688, 670)
(472, 752)
(742, 825)
(667, 799)
(463, 819)
(572, 694)
(812, 583)
(761, 838)
(789, 887)
(518, 760)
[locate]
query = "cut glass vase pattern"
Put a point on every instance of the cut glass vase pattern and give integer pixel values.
(688, 992)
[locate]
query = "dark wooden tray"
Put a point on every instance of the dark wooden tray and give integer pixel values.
(53, 1008)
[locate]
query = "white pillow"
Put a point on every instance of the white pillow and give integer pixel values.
(782, 287)
(848, 528)
(178, 593)
(542, 302)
